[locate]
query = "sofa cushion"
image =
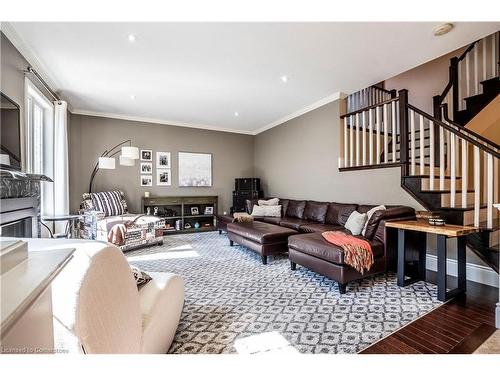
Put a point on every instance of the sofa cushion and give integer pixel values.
(293, 222)
(260, 232)
(271, 220)
(269, 202)
(356, 222)
(338, 213)
(387, 214)
(315, 211)
(112, 203)
(284, 206)
(315, 245)
(317, 227)
(296, 209)
(274, 211)
(369, 214)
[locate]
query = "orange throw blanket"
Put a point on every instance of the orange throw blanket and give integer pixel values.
(357, 252)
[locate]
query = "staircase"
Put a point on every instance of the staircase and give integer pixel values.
(446, 167)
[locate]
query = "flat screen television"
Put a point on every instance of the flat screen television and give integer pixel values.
(10, 133)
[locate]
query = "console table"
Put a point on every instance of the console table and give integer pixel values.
(443, 233)
(180, 214)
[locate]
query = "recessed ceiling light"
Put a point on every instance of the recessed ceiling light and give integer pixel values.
(284, 79)
(131, 38)
(236, 114)
(445, 28)
(132, 96)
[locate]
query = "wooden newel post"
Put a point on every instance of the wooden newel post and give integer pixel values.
(454, 87)
(436, 104)
(403, 136)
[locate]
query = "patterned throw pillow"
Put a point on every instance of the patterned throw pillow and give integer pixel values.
(141, 277)
(112, 203)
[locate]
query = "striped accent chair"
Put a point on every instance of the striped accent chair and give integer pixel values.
(105, 217)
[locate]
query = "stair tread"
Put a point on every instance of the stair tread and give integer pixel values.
(490, 80)
(469, 207)
(445, 191)
(428, 176)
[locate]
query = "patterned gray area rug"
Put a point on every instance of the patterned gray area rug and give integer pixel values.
(235, 304)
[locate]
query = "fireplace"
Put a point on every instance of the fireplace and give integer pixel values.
(20, 228)
(20, 203)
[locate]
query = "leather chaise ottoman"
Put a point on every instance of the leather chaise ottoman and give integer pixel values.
(263, 238)
(312, 251)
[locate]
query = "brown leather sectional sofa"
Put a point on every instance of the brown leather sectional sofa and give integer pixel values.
(299, 229)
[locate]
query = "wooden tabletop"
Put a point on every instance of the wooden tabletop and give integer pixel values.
(424, 226)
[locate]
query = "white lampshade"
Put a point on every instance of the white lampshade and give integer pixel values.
(130, 152)
(126, 161)
(106, 163)
(4, 159)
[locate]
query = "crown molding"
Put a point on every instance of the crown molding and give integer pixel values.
(159, 121)
(29, 55)
(300, 112)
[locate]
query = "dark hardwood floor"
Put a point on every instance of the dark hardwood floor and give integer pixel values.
(459, 326)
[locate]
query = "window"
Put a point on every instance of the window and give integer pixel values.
(39, 131)
(39, 141)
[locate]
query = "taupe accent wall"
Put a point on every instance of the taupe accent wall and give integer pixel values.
(90, 136)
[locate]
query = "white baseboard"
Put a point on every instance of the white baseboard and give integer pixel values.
(475, 272)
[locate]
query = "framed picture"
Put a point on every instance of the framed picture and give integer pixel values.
(147, 155)
(209, 210)
(163, 159)
(195, 211)
(195, 169)
(147, 168)
(146, 180)
(163, 177)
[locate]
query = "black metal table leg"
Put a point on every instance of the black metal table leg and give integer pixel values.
(443, 293)
(410, 274)
(422, 255)
(441, 267)
(401, 256)
(462, 263)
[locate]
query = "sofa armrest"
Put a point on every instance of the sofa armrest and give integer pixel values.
(161, 301)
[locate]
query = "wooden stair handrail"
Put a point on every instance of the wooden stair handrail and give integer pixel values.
(490, 143)
(459, 133)
(369, 107)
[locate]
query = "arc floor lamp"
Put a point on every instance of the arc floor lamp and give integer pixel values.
(129, 154)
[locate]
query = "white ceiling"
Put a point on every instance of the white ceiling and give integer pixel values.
(200, 74)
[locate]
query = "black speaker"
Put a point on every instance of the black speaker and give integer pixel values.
(240, 198)
(247, 184)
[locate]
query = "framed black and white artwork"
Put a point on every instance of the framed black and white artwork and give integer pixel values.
(195, 169)
(147, 155)
(146, 180)
(163, 159)
(146, 168)
(163, 177)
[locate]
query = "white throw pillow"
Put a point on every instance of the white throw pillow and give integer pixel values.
(270, 211)
(356, 222)
(269, 202)
(369, 215)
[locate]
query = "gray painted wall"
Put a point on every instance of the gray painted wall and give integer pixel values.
(90, 136)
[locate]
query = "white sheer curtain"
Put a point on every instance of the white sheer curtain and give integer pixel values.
(61, 176)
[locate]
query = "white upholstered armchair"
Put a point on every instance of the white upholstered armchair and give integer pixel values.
(98, 309)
